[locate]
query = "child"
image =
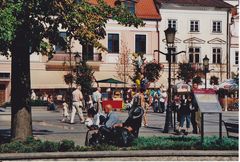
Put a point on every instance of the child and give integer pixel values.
(65, 112)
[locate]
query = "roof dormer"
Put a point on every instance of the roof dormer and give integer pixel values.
(129, 4)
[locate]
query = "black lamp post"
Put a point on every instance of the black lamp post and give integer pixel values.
(206, 68)
(77, 61)
(170, 37)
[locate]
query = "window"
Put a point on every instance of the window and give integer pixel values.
(216, 55)
(194, 54)
(217, 27)
(194, 26)
(236, 57)
(87, 51)
(5, 75)
(60, 45)
(113, 43)
(172, 23)
(130, 6)
(140, 43)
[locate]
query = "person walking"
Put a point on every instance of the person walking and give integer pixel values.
(65, 112)
(77, 105)
(33, 95)
(162, 100)
(185, 111)
(51, 104)
(195, 113)
(177, 105)
(97, 100)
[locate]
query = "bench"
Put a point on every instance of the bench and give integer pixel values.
(232, 129)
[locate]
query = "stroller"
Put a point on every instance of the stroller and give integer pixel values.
(119, 136)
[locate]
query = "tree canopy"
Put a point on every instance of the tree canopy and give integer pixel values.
(43, 19)
(28, 26)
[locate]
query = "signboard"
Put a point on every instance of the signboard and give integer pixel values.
(182, 88)
(207, 101)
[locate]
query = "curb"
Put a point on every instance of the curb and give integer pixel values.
(105, 154)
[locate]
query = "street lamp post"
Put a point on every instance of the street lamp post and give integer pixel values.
(206, 68)
(170, 37)
(77, 62)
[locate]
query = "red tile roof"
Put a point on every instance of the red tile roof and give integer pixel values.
(207, 3)
(144, 9)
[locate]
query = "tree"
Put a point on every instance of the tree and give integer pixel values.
(123, 67)
(152, 70)
(137, 62)
(33, 26)
(144, 72)
(214, 80)
(188, 71)
(85, 78)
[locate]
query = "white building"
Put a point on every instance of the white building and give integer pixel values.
(234, 38)
(202, 29)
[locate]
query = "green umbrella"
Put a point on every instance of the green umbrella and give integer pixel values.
(111, 81)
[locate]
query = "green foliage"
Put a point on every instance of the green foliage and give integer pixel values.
(213, 143)
(151, 71)
(68, 78)
(185, 143)
(85, 78)
(142, 143)
(82, 21)
(197, 80)
(188, 71)
(137, 62)
(48, 146)
(67, 145)
(8, 24)
(214, 80)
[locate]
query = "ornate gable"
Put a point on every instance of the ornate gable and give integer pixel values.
(194, 40)
(216, 41)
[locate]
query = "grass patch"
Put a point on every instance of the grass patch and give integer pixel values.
(142, 143)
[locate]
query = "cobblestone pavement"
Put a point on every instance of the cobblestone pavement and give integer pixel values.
(47, 125)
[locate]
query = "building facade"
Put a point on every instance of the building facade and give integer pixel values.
(47, 74)
(234, 38)
(202, 29)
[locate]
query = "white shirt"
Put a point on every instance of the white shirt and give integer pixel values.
(77, 95)
(163, 97)
(97, 96)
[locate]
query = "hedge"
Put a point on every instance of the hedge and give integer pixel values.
(142, 143)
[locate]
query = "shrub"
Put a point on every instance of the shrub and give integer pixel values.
(48, 146)
(142, 143)
(67, 145)
(183, 143)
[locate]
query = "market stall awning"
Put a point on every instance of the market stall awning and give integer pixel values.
(47, 79)
(229, 84)
(110, 80)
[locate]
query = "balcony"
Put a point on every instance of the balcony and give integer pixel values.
(61, 61)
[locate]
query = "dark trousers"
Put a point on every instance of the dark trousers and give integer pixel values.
(162, 107)
(193, 121)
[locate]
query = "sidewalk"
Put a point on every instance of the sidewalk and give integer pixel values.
(228, 155)
(47, 125)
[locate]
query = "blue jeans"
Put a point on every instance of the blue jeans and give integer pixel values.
(183, 116)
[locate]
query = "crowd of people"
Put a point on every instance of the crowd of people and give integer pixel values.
(184, 105)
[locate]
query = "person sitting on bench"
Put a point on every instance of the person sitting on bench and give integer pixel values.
(133, 122)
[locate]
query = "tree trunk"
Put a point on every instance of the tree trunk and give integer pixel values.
(21, 121)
